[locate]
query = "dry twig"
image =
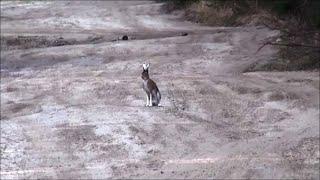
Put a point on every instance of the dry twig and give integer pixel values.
(288, 45)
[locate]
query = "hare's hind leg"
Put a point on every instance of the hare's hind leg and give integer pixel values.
(155, 99)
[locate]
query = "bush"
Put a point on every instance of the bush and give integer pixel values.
(307, 11)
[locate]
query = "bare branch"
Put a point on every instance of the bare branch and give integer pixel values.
(288, 45)
(295, 45)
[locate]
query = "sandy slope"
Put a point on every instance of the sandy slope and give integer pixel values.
(77, 111)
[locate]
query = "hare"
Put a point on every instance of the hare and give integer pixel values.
(150, 87)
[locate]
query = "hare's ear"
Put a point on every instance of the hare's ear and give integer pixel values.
(145, 66)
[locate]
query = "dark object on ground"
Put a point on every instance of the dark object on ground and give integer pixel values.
(125, 37)
(184, 34)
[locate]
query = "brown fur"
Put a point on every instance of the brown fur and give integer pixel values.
(150, 87)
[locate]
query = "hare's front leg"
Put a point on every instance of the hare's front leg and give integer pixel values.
(150, 100)
(148, 94)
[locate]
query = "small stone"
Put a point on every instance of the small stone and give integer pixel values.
(125, 37)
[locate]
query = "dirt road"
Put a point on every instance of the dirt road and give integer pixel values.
(72, 105)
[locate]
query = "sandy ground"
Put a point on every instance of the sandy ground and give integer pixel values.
(72, 105)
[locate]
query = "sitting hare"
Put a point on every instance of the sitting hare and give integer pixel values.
(150, 87)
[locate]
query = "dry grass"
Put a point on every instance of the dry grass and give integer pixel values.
(200, 12)
(225, 14)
